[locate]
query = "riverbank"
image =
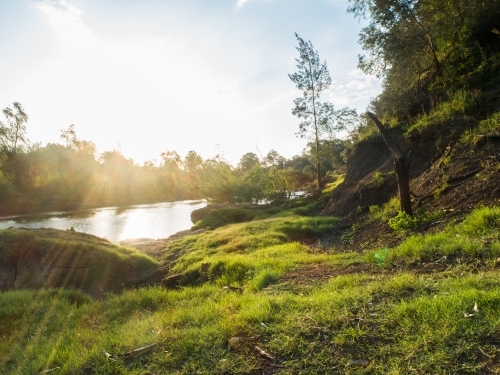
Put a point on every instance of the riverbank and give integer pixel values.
(280, 295)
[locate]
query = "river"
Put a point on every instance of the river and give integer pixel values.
(158, 220)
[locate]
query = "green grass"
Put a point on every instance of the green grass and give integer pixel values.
(478, 237)
(398, 322)
(460, 103)
(303, 206)
(246, 238)
(386, 211)
(223, 216)
(490, 126)
(105, 264)
(401, 322)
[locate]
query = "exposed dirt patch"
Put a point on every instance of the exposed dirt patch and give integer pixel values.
(464, 177)
(361, 188)
(321, 272)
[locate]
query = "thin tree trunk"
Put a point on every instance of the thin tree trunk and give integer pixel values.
(318, 169)
(401, 166)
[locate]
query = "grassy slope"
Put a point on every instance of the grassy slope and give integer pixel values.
(92, 264)
(405, 315)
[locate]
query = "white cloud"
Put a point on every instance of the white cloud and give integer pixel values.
(356, 87)
(241, 3)
(229, 88)
(66, 20)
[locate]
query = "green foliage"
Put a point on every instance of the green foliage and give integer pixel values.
(440, 322)
(460, 103)
(387, 211)
(337, 179)
(477, 236)
(424, 51)
(403, 222)
(71, 176)
(378, 178)
(490, 126)
(440, 190)
(380, 256)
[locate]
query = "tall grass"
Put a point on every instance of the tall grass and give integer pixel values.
(396, 322)
(461, 102)
(476, 237)
(490, 126)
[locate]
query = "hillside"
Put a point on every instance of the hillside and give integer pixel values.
(283, 289)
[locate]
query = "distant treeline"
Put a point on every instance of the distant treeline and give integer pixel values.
(73, 175)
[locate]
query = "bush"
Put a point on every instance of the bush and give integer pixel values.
(385, 212)
(406, 223)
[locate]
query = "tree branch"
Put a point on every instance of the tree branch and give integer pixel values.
(392, 146)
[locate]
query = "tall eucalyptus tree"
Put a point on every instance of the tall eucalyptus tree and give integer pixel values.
(312, 78)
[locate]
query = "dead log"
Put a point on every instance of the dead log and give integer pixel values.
(401, 166)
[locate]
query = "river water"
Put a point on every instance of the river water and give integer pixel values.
(158, 220)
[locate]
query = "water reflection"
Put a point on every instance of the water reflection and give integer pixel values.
(158, 220)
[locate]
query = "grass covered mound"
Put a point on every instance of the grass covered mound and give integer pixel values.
(232, 254)
(46, 258)
(309, 309)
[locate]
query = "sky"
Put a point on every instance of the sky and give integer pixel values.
(145, 77)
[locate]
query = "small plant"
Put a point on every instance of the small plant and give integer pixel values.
(349, 236)
(380, 256)
(378, 179)
(440, 190)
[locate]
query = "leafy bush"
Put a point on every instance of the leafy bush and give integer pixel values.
(406, 223)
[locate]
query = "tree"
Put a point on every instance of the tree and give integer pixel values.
(401, 166)
(80, 146)
(312, 79)
(16, 164)
(13, 133)
(424, 49)
(248, 161)
(273, 158)
(192, 162)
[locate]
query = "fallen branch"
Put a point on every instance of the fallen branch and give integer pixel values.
(134, 353)
(264, 354)
(465, 176)
(50, 370)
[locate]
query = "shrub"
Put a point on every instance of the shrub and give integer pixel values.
(385, 212)
(406, 223)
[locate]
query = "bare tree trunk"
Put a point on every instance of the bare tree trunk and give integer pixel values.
(401, 166)
(318, 168)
